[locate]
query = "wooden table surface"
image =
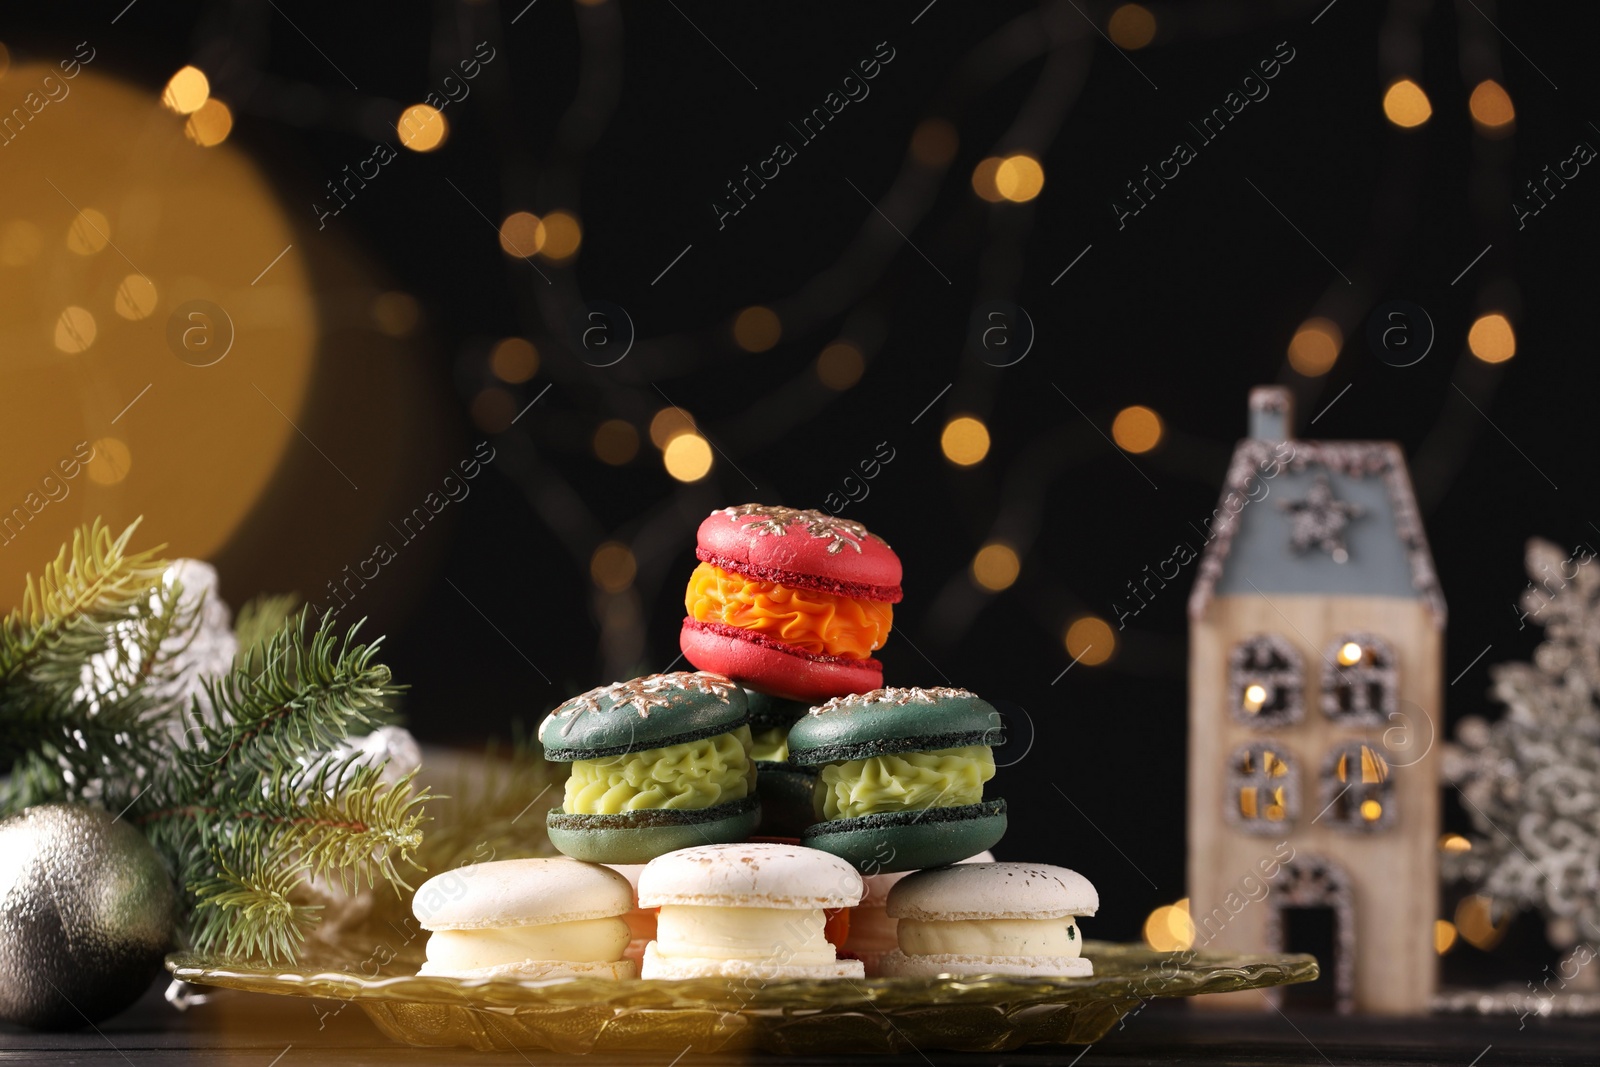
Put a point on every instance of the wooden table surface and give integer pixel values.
(265, 1031)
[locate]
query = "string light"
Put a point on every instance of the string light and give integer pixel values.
(1406, 105)
(210, 124)
(687, 457)
(1170, 928)
(965, 441)
(111, 462)
(422, 128)
(136, 297)
(1136, 429)
(616, 442)
(840, 366)
(186, 91)
(1019, 178)
(983, 179)
(1315, 347)
(1491, 338)
(1131, 26)
(1090, 641)
(75, 329)
(996, 566)
(522, 234)
(1491, 108)
(89, 232)
(562, 236)
(669, 423)
(514, 360)
(756, 329)
(613, 567)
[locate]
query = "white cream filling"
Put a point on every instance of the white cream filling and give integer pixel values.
(784, 935)
(585, 941)
(991, 937)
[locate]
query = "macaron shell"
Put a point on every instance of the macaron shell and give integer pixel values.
(655, 965)
(535, 969)
(910, 840)
(641, 836)
(785, 545)
(897, 719)
(642, 713)
(764, 666)
(993, 891)
(785, 791)
(521, 892)
(768, 711)
(898, 964)
(750, 875)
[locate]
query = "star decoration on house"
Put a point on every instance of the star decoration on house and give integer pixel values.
(1319, 520)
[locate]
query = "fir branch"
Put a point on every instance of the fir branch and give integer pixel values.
(252, 914)
(257, 622)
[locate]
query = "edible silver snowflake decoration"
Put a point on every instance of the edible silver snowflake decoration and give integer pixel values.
(1319, 520)
(775, 521)
(649, 693)
(895, 695)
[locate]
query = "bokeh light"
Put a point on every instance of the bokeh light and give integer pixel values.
(422, 128)
(1492, 339)
(1315, 346)
(1019, 178)
(687, 457)
(934, 142)
(111, 461)
(840, 366)
(493, 409)
(965, 440)
(983, 179)
(756, 329)
(613, 567)
(1349, 654)
(616, 442)
(522, 234)
(89, 233)
(1454, 843)
(562, 236)
(996, 566)
(136, 297)
(1170, 928)
(669, 423)
(1444, 936)
(1491, 108)
(1090, 640)
(514, 360)
(395, 313)
(1136, 429)
(1406, 105)
(1131, 26)
(210, 125)
(75, 329)
(187, 91)
(1475, 922)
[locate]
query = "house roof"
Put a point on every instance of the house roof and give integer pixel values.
(1265, 536)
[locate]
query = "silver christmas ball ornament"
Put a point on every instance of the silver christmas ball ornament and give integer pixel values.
(87, 912)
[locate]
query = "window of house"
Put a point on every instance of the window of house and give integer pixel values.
(1263, 788)
(1359, 682)
(1266, 681)
(1357, 792)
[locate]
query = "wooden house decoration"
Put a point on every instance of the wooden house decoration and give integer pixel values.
(1315, 667)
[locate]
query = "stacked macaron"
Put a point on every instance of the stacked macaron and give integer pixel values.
(785, 730)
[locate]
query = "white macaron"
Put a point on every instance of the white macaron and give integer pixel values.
(872, 932)
(752, 910)
(990, 918)
(529, 918)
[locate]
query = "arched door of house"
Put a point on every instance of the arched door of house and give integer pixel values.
(1311, 901)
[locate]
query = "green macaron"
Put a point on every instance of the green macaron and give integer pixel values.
(900, 777)
(784, 788)
(658, 763)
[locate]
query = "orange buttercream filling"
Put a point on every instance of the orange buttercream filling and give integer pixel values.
(814, 622)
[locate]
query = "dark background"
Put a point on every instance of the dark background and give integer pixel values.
(626, 116)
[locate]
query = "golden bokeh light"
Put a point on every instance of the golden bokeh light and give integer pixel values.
(562, 236)
(965, 441)
(20, 243)
(1444, 936)
(493, 409)
(1406, 105)
(983, 179)
(1090, 640)
(1170, 928)
(616, 442)
(1492, 339)
(110, 463)
(522, 234)
(1350, 654)
(613, 567)
(514, 360)
(840, 366)
(1255, 696)
(89, 233)
(1371, 810)
(1131, 26)
(187, 91)
(996, 566)
(422, 128)
(1474, 919)
(687, 457)
(136, 297)
(669, 423)
(1136, 429)
(75, 329)
(396, 313)
(1454, 843)
(756, 329)
(1491, 108)
(934, 142)
(1315, 347)
(1019, 178)
(210, 125)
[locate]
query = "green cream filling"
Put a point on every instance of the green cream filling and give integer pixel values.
(694, 774)
(770, 746)
(945, 778)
